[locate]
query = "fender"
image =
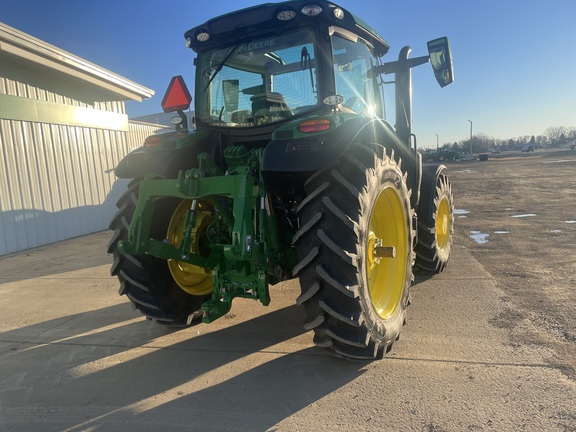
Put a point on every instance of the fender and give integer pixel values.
(292, 151)
(167, 159)
(141, 161)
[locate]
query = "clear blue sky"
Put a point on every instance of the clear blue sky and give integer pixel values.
(515, 61)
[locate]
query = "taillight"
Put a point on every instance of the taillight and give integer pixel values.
(152, 141)
(316, 125)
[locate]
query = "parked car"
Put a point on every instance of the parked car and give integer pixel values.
(527, 149)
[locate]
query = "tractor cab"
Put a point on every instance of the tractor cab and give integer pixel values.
(274, 63)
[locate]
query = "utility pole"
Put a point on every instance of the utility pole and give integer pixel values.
(437, 147)
(470, 137)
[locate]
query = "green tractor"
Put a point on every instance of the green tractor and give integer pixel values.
(290, 171)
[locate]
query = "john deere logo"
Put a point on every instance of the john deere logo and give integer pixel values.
(255, 46)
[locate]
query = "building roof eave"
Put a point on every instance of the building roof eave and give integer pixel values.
(31, 49)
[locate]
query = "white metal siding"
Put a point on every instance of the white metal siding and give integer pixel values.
(63, 129)
(57, 182)
(14, 88)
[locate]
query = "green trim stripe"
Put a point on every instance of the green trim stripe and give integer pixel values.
(32, 110)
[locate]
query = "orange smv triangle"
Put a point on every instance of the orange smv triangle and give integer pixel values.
(177, 96)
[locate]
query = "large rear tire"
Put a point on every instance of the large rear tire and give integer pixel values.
(355, 249)
(166, 292)
(435, 226)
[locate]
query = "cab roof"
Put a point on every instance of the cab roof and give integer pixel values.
(245, 23)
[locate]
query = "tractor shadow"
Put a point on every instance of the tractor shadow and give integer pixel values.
(70, 239)
(249, 376)
(422, 276)
(83, 253)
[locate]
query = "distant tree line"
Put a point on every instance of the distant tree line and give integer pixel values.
(553, 137)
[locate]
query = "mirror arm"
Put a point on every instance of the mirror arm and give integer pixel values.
(417, 61)
(398, 66)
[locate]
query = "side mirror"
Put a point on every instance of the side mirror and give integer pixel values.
(441, 59)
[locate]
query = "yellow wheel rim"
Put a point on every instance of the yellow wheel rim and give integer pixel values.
(443, 225)
(192, 279)
(386, 276)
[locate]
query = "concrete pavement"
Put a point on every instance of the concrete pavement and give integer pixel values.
(75, 357)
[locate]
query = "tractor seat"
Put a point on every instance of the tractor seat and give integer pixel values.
(270, 106)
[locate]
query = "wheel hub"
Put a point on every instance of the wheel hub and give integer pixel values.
(387, 252)
(376, 251)
(192, 279)
(443, 227)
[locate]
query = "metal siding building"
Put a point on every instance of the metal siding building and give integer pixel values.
(63, 129)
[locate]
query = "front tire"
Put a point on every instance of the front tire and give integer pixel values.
(148, 281)
(355, 249)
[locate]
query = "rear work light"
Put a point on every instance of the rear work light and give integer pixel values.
(311, 10)
(285, 15)
(203, 36)
(316, 125)
(339, 13)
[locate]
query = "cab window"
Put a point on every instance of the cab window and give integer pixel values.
(265, 80)
(352, 61)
